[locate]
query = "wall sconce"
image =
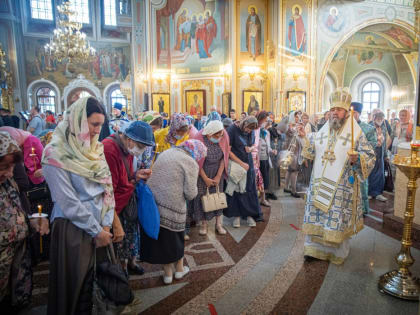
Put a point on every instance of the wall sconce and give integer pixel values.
(295, 72)
(252, 72)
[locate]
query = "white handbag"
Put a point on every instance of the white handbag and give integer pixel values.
(213, 202)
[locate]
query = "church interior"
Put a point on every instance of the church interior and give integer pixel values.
(199, 56)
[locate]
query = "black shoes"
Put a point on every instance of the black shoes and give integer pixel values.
(295, 195)
(287, 191)
(137, 270)
(271, 196)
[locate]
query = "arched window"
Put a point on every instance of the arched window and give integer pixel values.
(118, 97)
(81, 7)
(45, 98)
(371, 96)
(41, 10)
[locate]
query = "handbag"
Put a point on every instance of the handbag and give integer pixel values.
(148, 212)
(213, 202)
(389, 182)
(111, 289)
(38, 192)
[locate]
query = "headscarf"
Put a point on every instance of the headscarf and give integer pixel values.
(292, 117)
(18, 135)
(247, 121)
(195, 148)
(7, 144)
(213, 127)
(177, 122)
(72, 150)
(227, 122)
(190, 119)
(213, 116)
(148, 117)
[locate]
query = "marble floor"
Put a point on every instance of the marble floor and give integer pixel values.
(262, 271)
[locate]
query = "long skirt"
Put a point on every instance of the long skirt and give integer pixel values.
(128, 247)
(246, 204)
(167, 249)
(274, 182)
(71, 272)
(377, 176)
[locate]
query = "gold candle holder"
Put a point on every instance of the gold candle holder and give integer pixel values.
(401, 283)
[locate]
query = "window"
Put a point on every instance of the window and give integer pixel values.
(110, 12)
(45, 98)
(371, 95)
(41, 10)
(118, 97)
(81, 7)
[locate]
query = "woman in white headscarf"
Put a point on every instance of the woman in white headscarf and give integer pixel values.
(213, 169)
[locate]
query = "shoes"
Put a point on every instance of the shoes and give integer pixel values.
(180, 275)
(369, 197)
(265, 203)
(310, 258)
(251, 222)
(260, 219)
(137, 270)
(271, 196)
(167, 280)
(381, 198)
(203, 229)
(186, 237)
(236, 222)
(287, 191)
(295, 195)
(220, 230)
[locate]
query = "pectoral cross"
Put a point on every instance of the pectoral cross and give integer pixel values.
(321, 138)
(346, 139)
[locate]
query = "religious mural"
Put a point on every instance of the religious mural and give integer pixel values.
(196, 102)
(111, 63)
(161, 103)
(333, 20)
(192, 35)
(297, 23)
(252, 26)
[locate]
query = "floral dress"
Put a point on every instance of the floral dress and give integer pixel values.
(15, 259)
(211, 166)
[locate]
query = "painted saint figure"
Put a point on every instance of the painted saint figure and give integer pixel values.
(211, 29)
(201, 34)
(185, 29)
(297, 33)
(253, 105)
(193, 32)
(196, 109)
(253, 33)
(161, 104)
(181, 19)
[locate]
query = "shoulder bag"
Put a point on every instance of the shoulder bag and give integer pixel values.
(111, 288)
(213, 202)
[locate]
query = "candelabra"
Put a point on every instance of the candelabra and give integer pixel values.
(68, 42)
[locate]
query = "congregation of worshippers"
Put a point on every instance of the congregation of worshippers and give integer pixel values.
(139, 185)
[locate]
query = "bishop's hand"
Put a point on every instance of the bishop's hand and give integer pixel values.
(353, 156)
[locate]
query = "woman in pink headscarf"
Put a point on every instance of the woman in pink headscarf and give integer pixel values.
(32, 152)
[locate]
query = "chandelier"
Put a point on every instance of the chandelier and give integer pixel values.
(68, 42)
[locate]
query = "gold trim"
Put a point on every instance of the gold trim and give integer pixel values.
(317, 239)
(332, 236)
(364, 167)
(319, 254)
(305, 151)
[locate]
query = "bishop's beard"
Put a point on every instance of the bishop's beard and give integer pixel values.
(336, 123)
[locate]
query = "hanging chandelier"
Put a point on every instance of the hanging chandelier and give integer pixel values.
(68, 42)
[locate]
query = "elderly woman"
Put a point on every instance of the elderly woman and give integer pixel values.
(28, 143)
(173, 135)
(243, 204)
(212, 171)
(15, 256)
(155, 120)
(78, 175)
(173, 183)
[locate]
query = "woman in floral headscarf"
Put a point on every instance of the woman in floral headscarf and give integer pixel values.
(173, 135)
(15, 256)
(173, 182)
(155, 120)
(80, 181)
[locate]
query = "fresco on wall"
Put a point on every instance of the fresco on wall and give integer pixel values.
(333, 19)
(252, 26)
(111, 63)
(192, 35)
(297, 23)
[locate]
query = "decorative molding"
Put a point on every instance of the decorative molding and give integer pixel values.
(80, 82)
(29, 91)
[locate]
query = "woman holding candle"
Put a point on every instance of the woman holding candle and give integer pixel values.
(15, 258)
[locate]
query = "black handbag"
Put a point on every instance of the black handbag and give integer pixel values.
(111, 288)
(389, 181)
(38, 192)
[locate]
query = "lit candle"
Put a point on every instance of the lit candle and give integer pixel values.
(40, 237)
(352, 128)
